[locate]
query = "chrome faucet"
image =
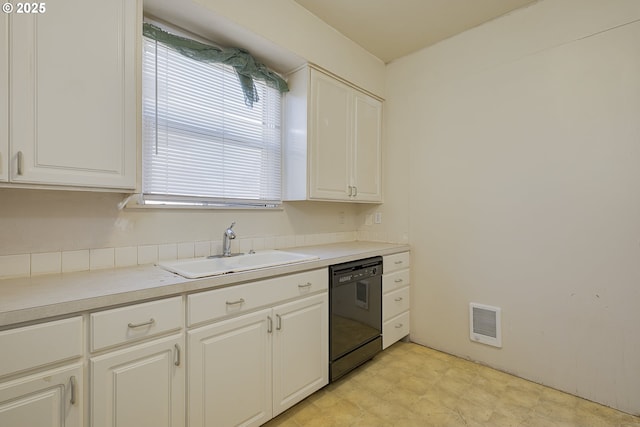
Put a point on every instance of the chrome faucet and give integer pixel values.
(227, 237)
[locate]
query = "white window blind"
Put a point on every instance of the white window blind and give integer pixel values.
(201, 144)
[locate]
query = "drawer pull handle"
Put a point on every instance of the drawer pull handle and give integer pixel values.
(74, 384)
(240, 301)
(398, 262)
(306, 285)
(399, 325)
(398, 280)
(178, 351)
(269, 324)
(149, 322)
(399, 299)
(20, 163)
(279, 322)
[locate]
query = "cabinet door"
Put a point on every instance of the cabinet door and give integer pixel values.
(367, 148)
(230, 372)
(141, 386)
(330, 139)
(4, 97)
(49, 399)
(73, 94)
(300, 350)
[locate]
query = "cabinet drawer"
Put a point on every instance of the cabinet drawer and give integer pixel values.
(38, 345)
(396, 280)
(396, 262)
(135, 322)
(395, 303)
(395, 329)
(218, 303)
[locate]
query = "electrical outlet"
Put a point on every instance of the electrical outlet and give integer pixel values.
(378, 218)
(340, 217)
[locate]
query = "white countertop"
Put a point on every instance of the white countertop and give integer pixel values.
(34, 298)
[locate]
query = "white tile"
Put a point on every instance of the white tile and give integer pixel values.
(15, 265)
(269, 242)
(101, 258)
(312, 239)
(147, 254)
(168, 251)
(258, 244)
(245, 245)
(202, 249)
(345, 236)
(285, 242)
(325, 238)
(216, 247)
(363, 236)
(127, 256)
(46, 263)
(300, 239)
(186, 250)
(75, 261)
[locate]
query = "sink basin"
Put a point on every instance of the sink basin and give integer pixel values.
(194, 268)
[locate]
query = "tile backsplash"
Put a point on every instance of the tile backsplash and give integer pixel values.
(35, 264)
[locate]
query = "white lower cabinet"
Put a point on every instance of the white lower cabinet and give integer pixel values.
(230, 372)
(395, 298)
(50, 398)
(139, 386)
(300, 350)
(245, 370)
(36, 390)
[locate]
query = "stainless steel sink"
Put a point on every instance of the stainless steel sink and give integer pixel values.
(194, 268)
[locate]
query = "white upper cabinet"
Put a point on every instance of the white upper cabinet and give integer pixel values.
(367, 149)
(72, 94)
(333, 134)
(330, 138)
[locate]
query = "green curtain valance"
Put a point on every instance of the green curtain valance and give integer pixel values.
(246, 67)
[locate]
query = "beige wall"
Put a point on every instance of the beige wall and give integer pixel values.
(524, 153)
(287, 24)
(33, 221)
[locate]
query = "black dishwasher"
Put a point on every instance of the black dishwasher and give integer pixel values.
(355, 321)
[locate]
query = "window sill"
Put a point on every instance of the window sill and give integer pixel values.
(137, 202)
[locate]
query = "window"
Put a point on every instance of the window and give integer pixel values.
(201, 144)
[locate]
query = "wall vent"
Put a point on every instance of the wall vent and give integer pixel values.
(485, 324)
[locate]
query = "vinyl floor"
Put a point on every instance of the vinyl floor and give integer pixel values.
(411, 385)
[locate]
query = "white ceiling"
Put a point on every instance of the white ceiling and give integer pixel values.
(390, 29)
